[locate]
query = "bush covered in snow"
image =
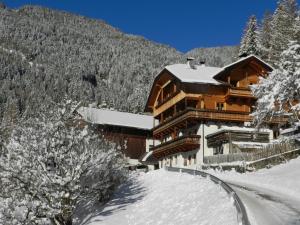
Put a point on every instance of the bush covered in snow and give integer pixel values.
(50, 164)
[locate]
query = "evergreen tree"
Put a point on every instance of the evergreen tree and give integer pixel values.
(2, 5)
(296, 30)
(49, 53)
(249, 42)
(282, 28)
(265, 36)
(279, 93)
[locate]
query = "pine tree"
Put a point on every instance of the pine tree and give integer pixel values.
(296, 30)
(279, 93)
(282, 28)
(265, 36)
(249, 42)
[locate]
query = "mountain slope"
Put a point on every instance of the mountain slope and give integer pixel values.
(215, 56)
(49, 54)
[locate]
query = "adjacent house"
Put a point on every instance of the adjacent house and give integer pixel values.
(132, 133)
(203, 111)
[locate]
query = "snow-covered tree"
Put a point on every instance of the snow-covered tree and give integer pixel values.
(249, 43)
(50, 164)
(282, 28)
(265, 36)
(279, 93)
(296, 29)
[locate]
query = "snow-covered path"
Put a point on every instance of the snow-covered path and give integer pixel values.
(166, 198)
(271, 196)
(267, 208)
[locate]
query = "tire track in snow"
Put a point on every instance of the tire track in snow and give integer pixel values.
(267, 209)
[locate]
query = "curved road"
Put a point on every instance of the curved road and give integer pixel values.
(266, 207)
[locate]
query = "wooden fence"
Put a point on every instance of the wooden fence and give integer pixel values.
(264, 152)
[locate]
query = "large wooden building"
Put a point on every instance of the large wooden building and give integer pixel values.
(201, 110)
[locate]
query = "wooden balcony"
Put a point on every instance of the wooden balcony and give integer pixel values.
(180, 144)
(172, 95)
(192, 114)
(239, 92)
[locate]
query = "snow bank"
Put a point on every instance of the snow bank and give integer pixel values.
(282, 179)
(162, 197)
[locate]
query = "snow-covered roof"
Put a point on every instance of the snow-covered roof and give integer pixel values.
(287, 131)
(290, 130)
(238, 129)
(116, 118)
(245, 58)
(243, 144)
(198, 74)
(203, 74)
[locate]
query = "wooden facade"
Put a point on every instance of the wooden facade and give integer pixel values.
(178, 104)
(131, 133)
(130, 141)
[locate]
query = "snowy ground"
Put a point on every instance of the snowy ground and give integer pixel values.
(166, 198)
(271, 196)
(283, 179)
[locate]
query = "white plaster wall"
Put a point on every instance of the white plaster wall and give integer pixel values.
(226, 148)
(206, 129)
(209, 128)
(271, 136)
(150, 167)
(148, 143)
(203, 130)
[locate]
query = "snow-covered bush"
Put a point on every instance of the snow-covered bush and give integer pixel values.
(50, 164)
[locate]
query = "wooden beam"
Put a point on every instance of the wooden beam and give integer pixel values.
(181, 95)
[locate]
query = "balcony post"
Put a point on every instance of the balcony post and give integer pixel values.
(175, 110)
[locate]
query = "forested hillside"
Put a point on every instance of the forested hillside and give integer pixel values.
(47, 54)
(217, 56)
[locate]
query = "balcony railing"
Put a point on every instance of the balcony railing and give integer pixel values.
(201, 114)
(180, 144)
(192, 114)
(239, 92)
(172, 95)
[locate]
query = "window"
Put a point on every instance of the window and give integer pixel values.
(220, 106)
(195, 160)
(185, 162)
(190, 160)
(275, 134)
(175, 160)
(234, 83)
(218, 150)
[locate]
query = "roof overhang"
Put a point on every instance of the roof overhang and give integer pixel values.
(244, 60)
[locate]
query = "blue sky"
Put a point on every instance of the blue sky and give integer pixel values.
(183, 25)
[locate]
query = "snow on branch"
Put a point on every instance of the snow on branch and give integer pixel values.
(50, 164)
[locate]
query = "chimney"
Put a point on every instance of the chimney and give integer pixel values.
(202, 63)
(188, 61)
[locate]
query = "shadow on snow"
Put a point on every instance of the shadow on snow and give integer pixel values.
(127, 194)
